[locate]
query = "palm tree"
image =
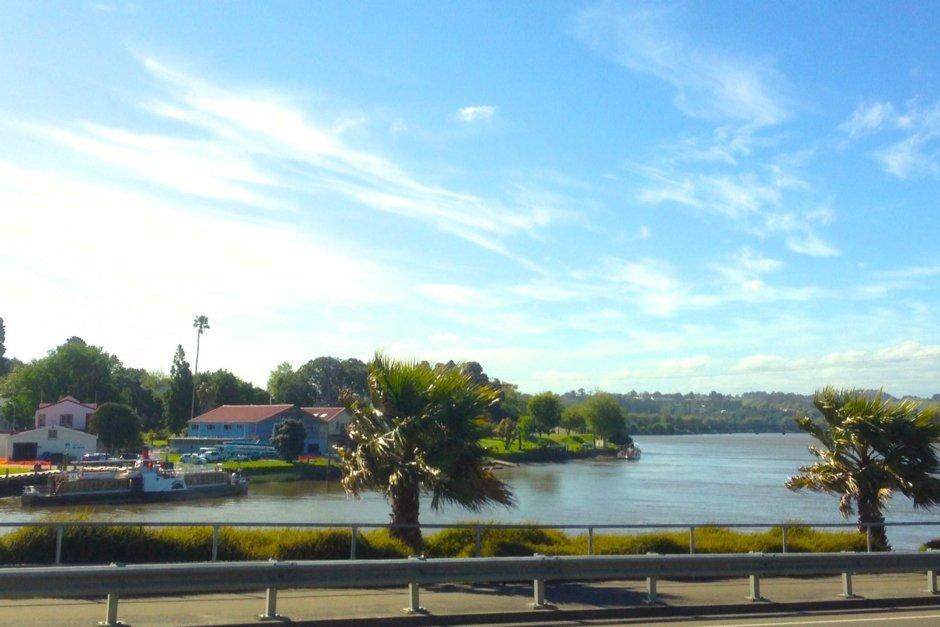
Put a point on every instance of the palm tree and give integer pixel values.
(421, 433)
(201, 324)
(871, 447)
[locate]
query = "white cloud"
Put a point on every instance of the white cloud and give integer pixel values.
(918, 153)
(475, 113)
(808, 243)
(707, 83)
(684, 364)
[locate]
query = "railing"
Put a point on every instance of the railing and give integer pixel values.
(478, 529)
(116, 580)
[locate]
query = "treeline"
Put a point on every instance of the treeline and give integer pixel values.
(164, 400)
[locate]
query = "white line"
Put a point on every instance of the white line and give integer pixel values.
(867, 619)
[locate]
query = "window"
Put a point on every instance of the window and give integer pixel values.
(226, 427)
(211, 427)
(53, 434)
(42, 420)
(65, 420)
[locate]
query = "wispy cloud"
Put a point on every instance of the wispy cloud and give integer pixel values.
(918, 153)
(708, 83)
(475, 113)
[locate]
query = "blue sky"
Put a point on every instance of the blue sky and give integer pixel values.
(690, 196)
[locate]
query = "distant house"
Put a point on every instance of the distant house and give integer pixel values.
(50, 442)
(67, 412)
(324, 425)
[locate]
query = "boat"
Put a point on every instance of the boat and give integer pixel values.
(146, 481)
(630, 453)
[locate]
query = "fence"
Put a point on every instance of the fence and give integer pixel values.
(116, 580)
(478, 529)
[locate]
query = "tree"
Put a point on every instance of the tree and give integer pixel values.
(201, 324)
(574, 418)
(506, 431)
(545, 409)
(871, 447)
(288, 438)
(73, 368)
(117, 426)
(421, 433)
(181, 391)
(221, 387)
(604, 416)
(525, 427)
(136, 391)
(4, 362)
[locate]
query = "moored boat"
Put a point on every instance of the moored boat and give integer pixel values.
(147, 481)
(630, 453)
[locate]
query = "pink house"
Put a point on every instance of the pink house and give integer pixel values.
(68, 412)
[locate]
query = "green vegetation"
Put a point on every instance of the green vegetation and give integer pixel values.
(871, 447)
(573, 442)
(117, 427)
(421, 433)
(545, 410)
(288, 438)
(142, 544)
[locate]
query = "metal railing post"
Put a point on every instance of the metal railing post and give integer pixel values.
(477, 541)
(691, 540)
(754, 587)
(414, 603)
(270, 605)
(111, 619)
(353, 538)
(59, 533)
(538, 590)
(847, 584)
(651, 596)
(590, 540)
(215, 543)
(931, 580)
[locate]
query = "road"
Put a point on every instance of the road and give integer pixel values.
(609, 603)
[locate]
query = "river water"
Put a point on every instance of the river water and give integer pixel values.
(680, 479)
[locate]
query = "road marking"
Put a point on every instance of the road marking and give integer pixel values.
(867, 619)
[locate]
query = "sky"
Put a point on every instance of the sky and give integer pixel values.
(724, 196)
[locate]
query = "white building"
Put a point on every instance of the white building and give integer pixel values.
(68, 412)
(49, 441)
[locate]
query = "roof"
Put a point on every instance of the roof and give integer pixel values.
(91, 406)
(326, 414)
(242, 413)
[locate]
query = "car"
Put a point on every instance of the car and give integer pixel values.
(95, 457)
(191, 458)
(211, 456)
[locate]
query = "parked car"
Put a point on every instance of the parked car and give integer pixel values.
(95, 457)
(191, 458)
(212, 456)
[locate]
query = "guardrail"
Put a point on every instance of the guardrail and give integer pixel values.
(478, 529)
(200, 578)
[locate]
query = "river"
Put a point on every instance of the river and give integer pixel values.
(680, 479)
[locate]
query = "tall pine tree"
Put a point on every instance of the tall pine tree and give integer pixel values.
(179, 397)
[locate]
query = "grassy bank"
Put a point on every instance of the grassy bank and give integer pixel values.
(139, 545)
(269, 470)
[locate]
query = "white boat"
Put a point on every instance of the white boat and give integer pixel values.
(630, 453)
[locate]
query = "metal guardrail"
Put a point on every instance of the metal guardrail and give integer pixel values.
(477, 528)
(200, 578)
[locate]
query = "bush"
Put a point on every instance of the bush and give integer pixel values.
(33, 545)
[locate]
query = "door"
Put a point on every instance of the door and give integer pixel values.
(25, 451)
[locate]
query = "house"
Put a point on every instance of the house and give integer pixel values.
(67, 412)
(49, 442)
(334, 421)
(324, 425)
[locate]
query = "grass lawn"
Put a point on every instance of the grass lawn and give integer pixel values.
(17, 470)
(573, 442)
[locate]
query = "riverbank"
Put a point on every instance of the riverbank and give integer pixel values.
(85, 545)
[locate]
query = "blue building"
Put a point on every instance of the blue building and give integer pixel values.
(325, 425)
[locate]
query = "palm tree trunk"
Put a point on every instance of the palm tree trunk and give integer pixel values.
(870, 514)
(192, 405)
(405, 510)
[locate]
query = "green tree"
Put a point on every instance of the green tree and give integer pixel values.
(288, 438)
(574, 418)
(179, 394)
(117, 427)
(506, 431)
(201, 324)
(286, 385)
(325, 379)
(135, 390)
(869, 448)
(221, 387)
(605, 417)
(545, 410)
(4, 362)
(73, 368)
(525, 427)
(421, 433)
